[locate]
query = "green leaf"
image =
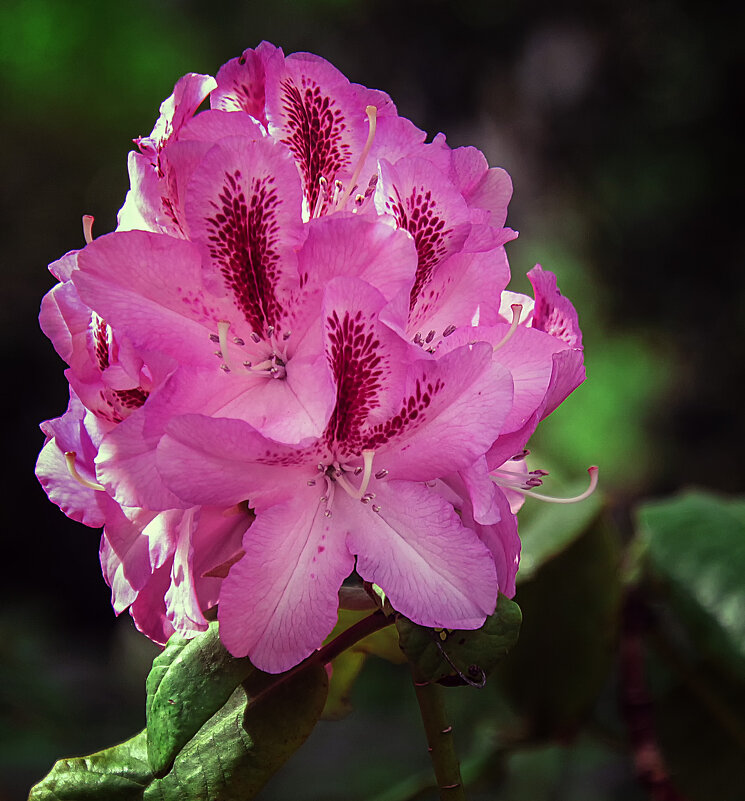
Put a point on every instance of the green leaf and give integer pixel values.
(571, 613)
(247, 741)
(265, 720)
(189, 681)
(551, 529)
(120, 773)
(695, 543)
(439, 655)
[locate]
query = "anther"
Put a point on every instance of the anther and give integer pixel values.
(311, 482)
(447, 730)
(381, 474)
(225, 368)
(376, 507)
(358, 469)
(73, 470)
(88, 228)
(238, 341)
(255, 337)
(269, 331)
(247, 365)
(286, 335)
(418, 339)
(516, 312)
(430, 337)
(327, 513)
(214, 338)
(519, 456)
(449, 330)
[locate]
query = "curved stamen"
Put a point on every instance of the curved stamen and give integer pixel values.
(593, 471)
(372, 116)
(516, 312)
(73, 470)
(358, 494)
(88, 228)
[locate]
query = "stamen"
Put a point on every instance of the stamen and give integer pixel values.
(256, 338)
(361, 493)
(381, 474)
(372, 116)
(367, 457)
(430, 336)
(516, 311)
(323, 194)
(73, 470)
(593, 471)
(449, 330)
(222, 333)
(88, 228)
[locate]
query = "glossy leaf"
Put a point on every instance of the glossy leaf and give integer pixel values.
(571, 614)
(244, 744)
(695, 543)
(462, 656)
(120, 773)
(189, 681)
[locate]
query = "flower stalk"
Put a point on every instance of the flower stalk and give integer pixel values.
(439, 739)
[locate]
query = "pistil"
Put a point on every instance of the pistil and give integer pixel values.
(516, 312)
(73, 470)
(372, 116)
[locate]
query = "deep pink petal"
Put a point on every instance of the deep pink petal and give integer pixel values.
(313, 110)
(243, 209)
(424, 202)
(279, 602)
(434, 571)
(553, 313)
(240, 83)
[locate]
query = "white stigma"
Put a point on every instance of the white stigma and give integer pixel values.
(73, 470)
(516, 312)
(372, 116)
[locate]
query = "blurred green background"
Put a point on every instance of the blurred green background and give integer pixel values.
(616, 123)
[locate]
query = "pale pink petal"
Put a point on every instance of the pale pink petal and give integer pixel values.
(504, 545)
(222, 462)
(182, 604)
(567, 374)
(482, 492)
(464, 285)
(433, 570)
(279, 602)
(148, 286)
(483, 187)
(345, 245)
(452, 412)
(122, 591)
(148, 610)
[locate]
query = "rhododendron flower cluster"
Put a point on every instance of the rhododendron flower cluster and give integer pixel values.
(296, 361)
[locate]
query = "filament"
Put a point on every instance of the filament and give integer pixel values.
(222, 332)
(372, 116)
(593, 471)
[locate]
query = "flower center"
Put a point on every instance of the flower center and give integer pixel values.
(272, 362)
(338, 474)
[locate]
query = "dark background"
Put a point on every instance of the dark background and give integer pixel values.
(616, 122)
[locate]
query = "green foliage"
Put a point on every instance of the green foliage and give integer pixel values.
(190, 680)
(695, 543)
(120, 773)
(347, 666)
(442, 655)
(571, 613)
(222, 738)
(550, 529)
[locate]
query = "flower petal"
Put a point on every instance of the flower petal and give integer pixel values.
(279, 602)
(435, 571)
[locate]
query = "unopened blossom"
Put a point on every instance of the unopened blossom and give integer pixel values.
(295, 360)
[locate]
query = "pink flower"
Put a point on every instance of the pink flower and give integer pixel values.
(303, 312)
